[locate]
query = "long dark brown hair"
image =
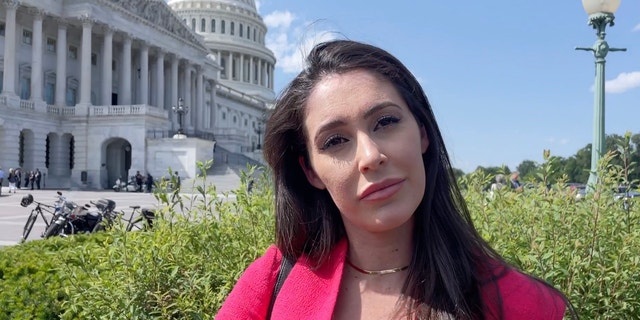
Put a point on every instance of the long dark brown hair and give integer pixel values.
(450, 260)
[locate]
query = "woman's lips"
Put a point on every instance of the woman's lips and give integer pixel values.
(382, 190)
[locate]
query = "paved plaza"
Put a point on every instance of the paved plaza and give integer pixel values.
(13, 216)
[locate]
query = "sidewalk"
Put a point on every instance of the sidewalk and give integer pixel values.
(13, 216)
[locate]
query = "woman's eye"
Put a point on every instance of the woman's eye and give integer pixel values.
(386, 121)
(333, 141)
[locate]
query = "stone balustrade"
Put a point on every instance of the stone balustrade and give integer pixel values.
(26, 105)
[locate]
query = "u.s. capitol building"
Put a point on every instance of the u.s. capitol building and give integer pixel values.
(92, 90)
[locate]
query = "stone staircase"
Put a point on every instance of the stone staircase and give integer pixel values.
(224, 173)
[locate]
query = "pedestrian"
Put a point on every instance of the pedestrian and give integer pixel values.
(32, 179)
(139, 181)
(37, 176)
(27, 178)
(367, 209)
(13, 179)
(19, 175)
(1, 179)
(149, 182)
(514, 181)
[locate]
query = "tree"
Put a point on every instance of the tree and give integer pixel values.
(527, 169)
(458, 173)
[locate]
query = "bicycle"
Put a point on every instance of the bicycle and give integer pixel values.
(39, 210)
(140, 219)
(143, 221)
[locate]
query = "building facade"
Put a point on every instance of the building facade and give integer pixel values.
(88, 84)
(234, 33)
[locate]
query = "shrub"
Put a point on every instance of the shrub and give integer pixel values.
(188, 263)
(590, 249)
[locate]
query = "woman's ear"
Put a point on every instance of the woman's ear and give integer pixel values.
(311, 175)
(424, 139)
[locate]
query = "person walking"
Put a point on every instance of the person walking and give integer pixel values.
(32, 179)
(27, 178)
(139, 181)
(19, 175)
(1, 179)
(37, 176)
(13, 179)
(149, 182)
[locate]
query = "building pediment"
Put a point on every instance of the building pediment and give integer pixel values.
(159, 14)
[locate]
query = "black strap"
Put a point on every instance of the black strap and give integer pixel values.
(285, 267)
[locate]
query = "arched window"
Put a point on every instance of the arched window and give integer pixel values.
(248, 33)
(232, 28)
(241, 29)
(213, 25)
(203, 25)
(254, 34)
(222, 27)
(193, 24)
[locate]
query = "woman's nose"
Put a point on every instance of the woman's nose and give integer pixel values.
(369, 154)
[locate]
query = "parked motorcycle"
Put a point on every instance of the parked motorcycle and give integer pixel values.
(130, 186)
(63, 210)
(82, 220)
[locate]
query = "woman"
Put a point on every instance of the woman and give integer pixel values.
(368, 208)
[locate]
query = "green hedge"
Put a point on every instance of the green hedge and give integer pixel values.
(188, 264)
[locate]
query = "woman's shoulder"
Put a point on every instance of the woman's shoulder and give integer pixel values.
(251, 295)
(523, 297)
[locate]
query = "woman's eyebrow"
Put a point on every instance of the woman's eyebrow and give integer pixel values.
(335, 123)
(374, 108)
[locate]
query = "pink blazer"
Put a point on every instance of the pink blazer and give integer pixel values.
(312, 294)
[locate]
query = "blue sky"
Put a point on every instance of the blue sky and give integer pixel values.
(502, 76)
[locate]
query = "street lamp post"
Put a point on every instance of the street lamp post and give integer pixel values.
(259, 131)
(600, 15)
(181, 110)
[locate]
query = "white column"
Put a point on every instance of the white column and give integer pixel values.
(174, 87)
(61, 65)
(160, 79)
(187, 93)
(230, 66)
(251, 74)
(241, 68)
(125, 81)
(199, 109)
(107, 71)
(214, 107)
(85, 71)
(260, 76)
(8, 83)
(36, 57)
(270, 76)
(144, 73)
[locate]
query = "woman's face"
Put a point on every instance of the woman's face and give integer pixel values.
(365, 147)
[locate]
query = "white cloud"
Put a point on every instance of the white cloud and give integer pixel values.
(258, 3)
(623, 82)
(636, 28)
(291, 41)
(279, 20)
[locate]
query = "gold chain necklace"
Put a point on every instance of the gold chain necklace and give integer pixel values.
(376, 272)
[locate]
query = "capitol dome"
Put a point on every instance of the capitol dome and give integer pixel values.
(235, 33)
